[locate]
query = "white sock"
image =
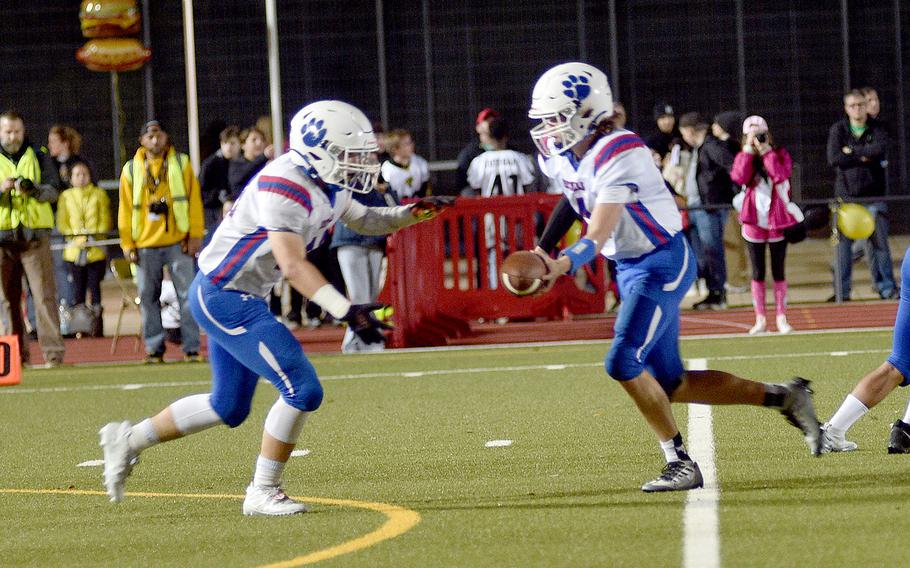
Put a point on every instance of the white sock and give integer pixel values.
(142, 436)
(268, 472)
(849, 412)
(669, 448)
(906, 419)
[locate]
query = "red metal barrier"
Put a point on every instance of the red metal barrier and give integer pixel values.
(438, 277)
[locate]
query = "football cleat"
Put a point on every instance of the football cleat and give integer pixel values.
(265, 500)
(680, 475)
(800, 411)
(899, 442)
(832, 442)
(119, 459)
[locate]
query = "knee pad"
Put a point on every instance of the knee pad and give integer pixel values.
(284, 422)
(232, 412)
(622, 362)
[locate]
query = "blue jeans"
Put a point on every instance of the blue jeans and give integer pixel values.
(149, 274)
(877, 253)
(710, 227)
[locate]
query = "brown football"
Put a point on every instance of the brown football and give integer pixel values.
(522, 272)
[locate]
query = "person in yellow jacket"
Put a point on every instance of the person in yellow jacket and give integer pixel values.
(160, 221)
(29, 183)
(84, 213)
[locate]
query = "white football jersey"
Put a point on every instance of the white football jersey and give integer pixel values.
(281, 197)
(619, 168)
(500, 172)
(405, 182)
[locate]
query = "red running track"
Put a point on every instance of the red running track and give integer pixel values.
(328, 340)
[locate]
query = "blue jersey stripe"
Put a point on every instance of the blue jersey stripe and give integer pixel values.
(239, 254)
(656, 233)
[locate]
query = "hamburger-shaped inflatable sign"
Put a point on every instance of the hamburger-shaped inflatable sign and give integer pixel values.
(113, 54)
(109, 18)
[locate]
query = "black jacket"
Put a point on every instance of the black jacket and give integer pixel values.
(856, 177)
(715, 160)
(241, 171)
(213, 180)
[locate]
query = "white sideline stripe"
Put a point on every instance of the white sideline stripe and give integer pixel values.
(417, 374)
(701, 535)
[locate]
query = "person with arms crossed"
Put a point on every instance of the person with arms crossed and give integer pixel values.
(283, 213)
(609, 178)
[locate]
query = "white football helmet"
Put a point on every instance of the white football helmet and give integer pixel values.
(570, 100)
(336, 141)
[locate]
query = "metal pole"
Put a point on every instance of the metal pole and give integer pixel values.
(115, 122)
(148, 84)
(614, 54)
(845, 43)
(380, 60)
(741, 56)
(271, 24)
(582, 37)
(901, 120)
(431, 103)
(631, 109)
(192, 102)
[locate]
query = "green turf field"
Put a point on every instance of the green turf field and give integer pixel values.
(409, 430)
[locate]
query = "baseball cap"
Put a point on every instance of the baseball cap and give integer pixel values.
(755, 124)
(662, 109)
(486, 114)
(150, 124)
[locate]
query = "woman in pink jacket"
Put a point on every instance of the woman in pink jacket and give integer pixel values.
(763, 171)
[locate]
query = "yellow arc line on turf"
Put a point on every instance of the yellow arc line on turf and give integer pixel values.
(398, 520)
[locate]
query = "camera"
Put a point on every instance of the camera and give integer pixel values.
(158, 207)
(24, 185)
(762, 138)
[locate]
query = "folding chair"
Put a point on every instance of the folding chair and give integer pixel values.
(123, 273)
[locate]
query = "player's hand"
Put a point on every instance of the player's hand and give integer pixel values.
(549, 279)
(430, 207)
(363, 322)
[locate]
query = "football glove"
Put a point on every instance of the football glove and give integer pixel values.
(363, 322)
(429, 207)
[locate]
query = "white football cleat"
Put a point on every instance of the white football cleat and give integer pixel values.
(265, 500)
(783, 326)
(119, 459)
(832, 442)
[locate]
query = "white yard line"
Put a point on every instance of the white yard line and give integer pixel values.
(701, 535)
(418, 374)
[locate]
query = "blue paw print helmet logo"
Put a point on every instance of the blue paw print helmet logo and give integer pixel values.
(576, 87)
(313, 132)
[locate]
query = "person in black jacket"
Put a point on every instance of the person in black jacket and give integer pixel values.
(213, 178)
(857, 150)
(715, 189)
(473, 149)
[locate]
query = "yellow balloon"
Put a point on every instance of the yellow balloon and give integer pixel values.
(855, 221)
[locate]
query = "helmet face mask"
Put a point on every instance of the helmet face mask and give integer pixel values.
(570, 100)
(335, 142)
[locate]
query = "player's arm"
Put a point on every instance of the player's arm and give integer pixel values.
(289, 250)
(603, 221)
(384, 220)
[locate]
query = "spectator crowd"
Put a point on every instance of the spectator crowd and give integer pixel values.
(728, 175)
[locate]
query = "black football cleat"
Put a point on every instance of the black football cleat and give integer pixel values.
(680, 475)
(899, 442)
(800, 411)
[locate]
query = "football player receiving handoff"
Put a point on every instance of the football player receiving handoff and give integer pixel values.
(609, 180)
(283, 212)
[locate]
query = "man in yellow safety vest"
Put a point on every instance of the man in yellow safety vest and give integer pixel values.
(29, 183)
(161, 223)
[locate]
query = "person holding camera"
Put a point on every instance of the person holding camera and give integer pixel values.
(161, 224)
(765, 211)
(29, 185)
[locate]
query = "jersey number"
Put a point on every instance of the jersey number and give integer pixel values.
(497, 187)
